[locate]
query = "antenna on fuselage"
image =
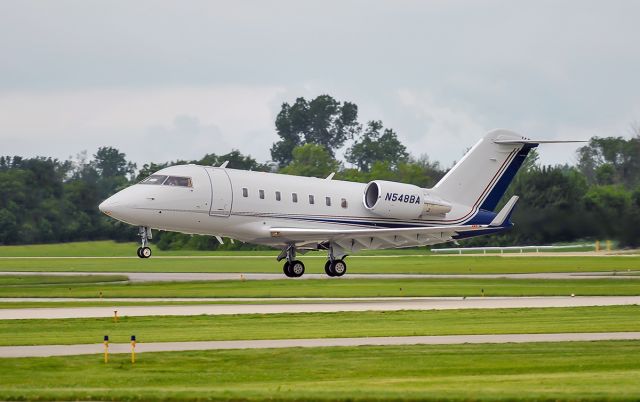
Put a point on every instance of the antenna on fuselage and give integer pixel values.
(330, 176)
(224, 164)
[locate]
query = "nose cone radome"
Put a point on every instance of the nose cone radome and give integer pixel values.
(110, 206)
(117, 206)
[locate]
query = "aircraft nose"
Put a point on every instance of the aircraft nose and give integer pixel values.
(114, 206)
(107, 206)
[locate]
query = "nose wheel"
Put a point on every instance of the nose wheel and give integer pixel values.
(144, 252)
(145, 235)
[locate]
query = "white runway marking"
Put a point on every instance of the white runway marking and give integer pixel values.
(374, 305)
(88, 349)
(228, 276)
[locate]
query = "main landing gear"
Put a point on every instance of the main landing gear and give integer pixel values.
(335, 267)
(145, 235)
(293, 268)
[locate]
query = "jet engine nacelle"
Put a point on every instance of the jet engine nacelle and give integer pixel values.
(402, 201)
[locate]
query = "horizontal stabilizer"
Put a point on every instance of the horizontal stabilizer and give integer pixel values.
(533, 142)
(505, 212)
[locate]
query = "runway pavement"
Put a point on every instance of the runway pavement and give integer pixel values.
(228, 276)
(89, 349)
(302, 307)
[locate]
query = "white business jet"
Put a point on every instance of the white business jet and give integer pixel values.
(299, 214)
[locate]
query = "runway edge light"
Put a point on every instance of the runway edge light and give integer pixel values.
(133, 349)
(106, 348)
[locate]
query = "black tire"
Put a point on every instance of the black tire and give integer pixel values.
(296, 268)
(339, 267)
(328, 270)
(145, 252)
(285, 269)
(138, 252)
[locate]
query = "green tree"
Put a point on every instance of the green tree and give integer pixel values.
(109, 162)
(311, 160)
(611, 160)
(322, 121)
(375, 145)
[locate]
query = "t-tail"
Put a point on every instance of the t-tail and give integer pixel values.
(481, 177)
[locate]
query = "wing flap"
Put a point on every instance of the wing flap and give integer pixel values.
(383, 234)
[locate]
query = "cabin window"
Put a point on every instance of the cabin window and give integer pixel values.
(178, 181)
(328, 201)
(278, 196)
(343, 203)
(245, 192)
(154, 179)
(311, 200)
(294, 197)
(261, 192)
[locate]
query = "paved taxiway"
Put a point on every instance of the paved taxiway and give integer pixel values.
(355, 304)
(88, 349)
(223, 276)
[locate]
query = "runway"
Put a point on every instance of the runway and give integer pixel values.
(229, 276)
(89, 349)
(370, 304)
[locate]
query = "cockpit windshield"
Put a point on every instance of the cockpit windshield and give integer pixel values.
(158, 179)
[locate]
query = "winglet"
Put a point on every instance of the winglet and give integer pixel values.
(224, 164)
(505, 212)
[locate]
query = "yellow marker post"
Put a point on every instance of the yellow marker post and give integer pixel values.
(133, 349)
(608, 245)
(106, 348)
(115, 315)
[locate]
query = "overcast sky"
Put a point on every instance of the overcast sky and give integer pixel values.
(167, 80)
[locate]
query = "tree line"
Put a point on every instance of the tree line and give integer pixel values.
(44, 199)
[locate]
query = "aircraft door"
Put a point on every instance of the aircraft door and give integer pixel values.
(222, 196)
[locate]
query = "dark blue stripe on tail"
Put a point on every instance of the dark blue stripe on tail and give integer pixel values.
(500, 188)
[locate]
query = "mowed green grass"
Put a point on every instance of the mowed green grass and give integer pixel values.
(396, 264)
(321, 325)
(109, 248)
(536, 371)
(336, 288)
(371, 261)
(46, 280)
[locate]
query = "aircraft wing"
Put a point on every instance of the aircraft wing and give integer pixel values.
(374, 238)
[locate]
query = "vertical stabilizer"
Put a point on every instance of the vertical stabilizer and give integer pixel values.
(482, 176)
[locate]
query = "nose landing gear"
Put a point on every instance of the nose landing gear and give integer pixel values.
(145, 235)
(292, 268)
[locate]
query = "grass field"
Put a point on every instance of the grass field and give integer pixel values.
(541, 371)
(569, 371)
(108, 248)
(321, 325)
(335, 288)
(398, 264)
(47, 280)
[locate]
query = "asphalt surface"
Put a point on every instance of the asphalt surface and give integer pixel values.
(211, 276)
(88, 349)
(355, 305)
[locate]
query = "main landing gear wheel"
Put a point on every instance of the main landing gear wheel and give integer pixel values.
(335, 268)
(327, 268)
(293, 269)
(144, 252)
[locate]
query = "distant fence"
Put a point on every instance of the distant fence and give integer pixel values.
(521, 249)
